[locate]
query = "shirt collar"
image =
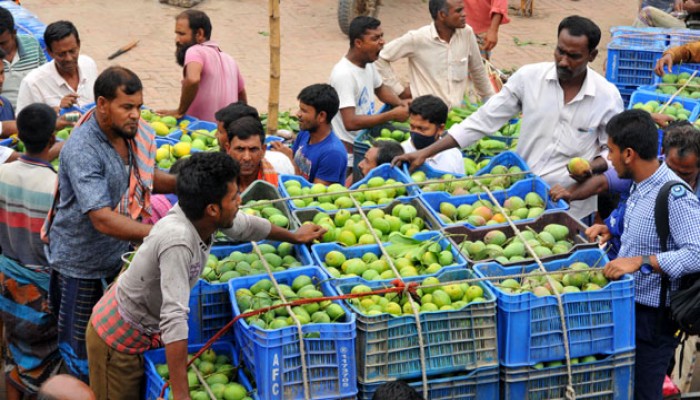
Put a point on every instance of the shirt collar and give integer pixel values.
(434, 34)
(35, 161)
(654, 181)
(588, 87)
(59, 80)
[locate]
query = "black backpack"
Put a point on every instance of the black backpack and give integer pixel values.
(685, 302)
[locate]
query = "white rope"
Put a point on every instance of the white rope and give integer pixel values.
(302, 350)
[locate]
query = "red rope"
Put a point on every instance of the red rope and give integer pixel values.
(398, 286)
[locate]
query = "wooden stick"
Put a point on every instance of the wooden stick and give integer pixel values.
(275, 46)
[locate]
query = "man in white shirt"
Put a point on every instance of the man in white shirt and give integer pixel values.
(565, 107)
(356, 81)
(427, 116)
(441, 57)
(67, 80)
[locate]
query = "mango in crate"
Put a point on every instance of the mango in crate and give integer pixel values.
(269, 212)
(237, 264)
(350, 229)
(332, 197)
(463, 187)
(433, 297)
(418, 258)
(264, 294)
(674, 110)
(553, 239)
(575, 278)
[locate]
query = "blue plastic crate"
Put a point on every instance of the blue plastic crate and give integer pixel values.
(480, 384)
(577, 234)
(454, 340)
(678, 68)
(154, 383)
(626, 93)
(210, 305)
(7, 143)
(273, 356)
(429, 220)
(162, 140)
(432, 200)
(631, 67)
(507, 159)
(679, 37)
(430, 173)
(529, 327)
(639, 38)
(319, 251)
(608, 379)
(691, 105)
(386, 171)
(270, 138)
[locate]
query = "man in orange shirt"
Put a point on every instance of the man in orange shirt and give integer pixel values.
(246, 144)
(485, 17)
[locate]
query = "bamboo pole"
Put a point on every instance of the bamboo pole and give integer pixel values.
(274, 96)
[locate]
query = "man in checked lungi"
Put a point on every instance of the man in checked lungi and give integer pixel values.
(147, 307)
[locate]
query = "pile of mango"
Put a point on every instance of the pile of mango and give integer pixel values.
(462, 187)
(576, 278)
(674, 110)
(673, 82)
(237, 264)
(484, 213)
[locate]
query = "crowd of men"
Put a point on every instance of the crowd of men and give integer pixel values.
(65, 302)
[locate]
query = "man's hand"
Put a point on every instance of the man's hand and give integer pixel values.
(399, 113)
(665, 61)
(582, 177)
(490, 40)
(61, 123)
(599, 230)
(282, 148)
(308, 233)
(558, 192)
(69, 100)
(621, 266)
(172, 113)
(414, 160)
(662, 119)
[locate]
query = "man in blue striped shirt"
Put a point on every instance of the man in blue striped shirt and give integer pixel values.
(632, 140)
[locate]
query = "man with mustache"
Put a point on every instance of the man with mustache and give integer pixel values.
(68, 79)
(442, 57)
(565, 107)
(105, 180)
(246, 144)
(357, 81)
(211, 78)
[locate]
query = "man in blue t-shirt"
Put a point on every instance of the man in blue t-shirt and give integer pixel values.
(317, 154)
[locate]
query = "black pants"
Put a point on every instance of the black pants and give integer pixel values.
(656, 345)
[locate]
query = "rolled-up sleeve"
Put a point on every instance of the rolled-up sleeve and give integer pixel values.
(248, 228)
(491, 116)
(174, 263)
(684, 212)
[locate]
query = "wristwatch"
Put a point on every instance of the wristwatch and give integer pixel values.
(646, 267)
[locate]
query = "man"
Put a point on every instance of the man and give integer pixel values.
(148, 304)
(565, 107)
(247, 146)
(318, 155)
(211, 78)
(22, 54)
(681, 147)
(357, 81)
(26, 195)
(67, 80)
(225, 116)
(687, 53)
(485, 17)
(633, 148)
(441, 57)
(381, 152)
(427, 118)
(65, 387)
(106, 176)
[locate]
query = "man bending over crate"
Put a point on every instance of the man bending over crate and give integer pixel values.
(147, 306)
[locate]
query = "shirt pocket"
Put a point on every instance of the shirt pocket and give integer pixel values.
(457, 71)
(577, 141)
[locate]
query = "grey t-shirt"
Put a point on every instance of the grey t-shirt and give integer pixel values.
(153, 294)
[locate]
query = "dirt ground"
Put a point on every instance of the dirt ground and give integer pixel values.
(311, 40)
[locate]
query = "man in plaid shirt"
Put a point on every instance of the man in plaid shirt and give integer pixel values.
(632, 140)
